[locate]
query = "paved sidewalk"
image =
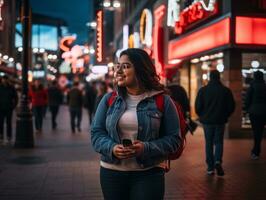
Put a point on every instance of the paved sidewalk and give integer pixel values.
(63, 166)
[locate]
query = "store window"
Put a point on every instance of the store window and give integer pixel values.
(251, 62)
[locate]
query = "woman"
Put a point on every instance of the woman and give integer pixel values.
(135, 171)
(38, 96)
(255, 104)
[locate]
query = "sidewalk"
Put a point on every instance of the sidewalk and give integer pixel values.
(63, 166)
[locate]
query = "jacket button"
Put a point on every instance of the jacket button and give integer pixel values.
(141, 165)
(140, 128)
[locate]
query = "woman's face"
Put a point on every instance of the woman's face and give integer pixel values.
(124, 73)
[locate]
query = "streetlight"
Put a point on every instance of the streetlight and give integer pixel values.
(24, 127)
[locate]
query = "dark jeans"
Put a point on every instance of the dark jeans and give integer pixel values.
(214, 135)
(75, 113)
(257, 123)
(6, 115)
(134, 185)
(54, 111)
(38, 115)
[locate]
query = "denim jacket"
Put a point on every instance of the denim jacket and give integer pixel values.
(158, 131)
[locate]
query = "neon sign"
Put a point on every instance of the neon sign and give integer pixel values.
(1, 6)
(99, 36)
(158, 39)
(146, 27)
(196, 11)
(65, 42)
(213, 36)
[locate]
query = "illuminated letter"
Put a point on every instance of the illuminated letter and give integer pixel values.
(173, 12)
(146, 27)
(210, 6)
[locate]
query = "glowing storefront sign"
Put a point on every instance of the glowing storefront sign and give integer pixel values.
(99, 36)
(196, 11)
(250, 30)
(213, 36)
(146, 27)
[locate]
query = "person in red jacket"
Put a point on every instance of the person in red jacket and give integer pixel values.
(38, 97)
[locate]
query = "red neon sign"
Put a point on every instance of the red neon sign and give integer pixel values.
(250, 30)
(99, 36)
(190, 15)
(158, 38)
(215, 35)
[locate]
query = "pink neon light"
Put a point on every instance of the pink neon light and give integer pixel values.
(207, 38)
(250, 30)
(158, 38)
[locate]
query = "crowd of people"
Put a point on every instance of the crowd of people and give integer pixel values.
(132, 135)
(49, 98)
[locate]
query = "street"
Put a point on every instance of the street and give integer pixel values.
(63, 166)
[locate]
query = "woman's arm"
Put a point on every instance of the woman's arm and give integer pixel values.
(101, 142)
(170, 140)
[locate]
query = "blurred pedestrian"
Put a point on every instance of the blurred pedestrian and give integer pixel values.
(255, 103)
(89, 100)
(38, 98)
(74, 98)
(179, 95)
(8, 102)
(128, 132)
(55, 98)
(214, 104)
(101, 91)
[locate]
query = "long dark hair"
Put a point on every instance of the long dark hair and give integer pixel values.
(144, 68)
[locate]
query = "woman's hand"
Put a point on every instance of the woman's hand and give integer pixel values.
(122, 152)
(138, 146)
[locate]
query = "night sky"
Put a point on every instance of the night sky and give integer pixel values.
(75, 12)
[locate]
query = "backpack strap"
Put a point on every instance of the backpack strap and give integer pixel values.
(159, 100)
(111, 98)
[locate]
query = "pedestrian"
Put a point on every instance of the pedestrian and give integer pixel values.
(101, 91)
(214, 104)
(74, 98)
(179, 95)
(8, 102)
(128, 133)
(38, 98)
(89, 100)
(55, 98)
(255, 104)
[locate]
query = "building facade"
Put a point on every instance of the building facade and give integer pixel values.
(189, 38)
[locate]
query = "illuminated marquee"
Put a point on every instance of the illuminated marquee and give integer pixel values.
(99, 36)
(196, 11)
(146, 27)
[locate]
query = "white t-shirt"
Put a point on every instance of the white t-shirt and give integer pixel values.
(128, 129)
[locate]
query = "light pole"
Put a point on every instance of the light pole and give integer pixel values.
(24, 127)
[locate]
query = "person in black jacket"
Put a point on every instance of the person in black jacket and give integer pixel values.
(179, 94)
(55, 98)
(214, 104)
(75, 106)
(8, 101)
(255, 103)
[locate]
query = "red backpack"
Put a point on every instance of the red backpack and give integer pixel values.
(184, 128)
